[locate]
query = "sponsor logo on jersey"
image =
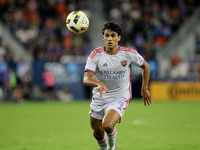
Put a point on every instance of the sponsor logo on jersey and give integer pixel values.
(123, 62)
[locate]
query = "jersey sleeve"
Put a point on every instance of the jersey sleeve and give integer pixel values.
(137, 59)
(90, 65)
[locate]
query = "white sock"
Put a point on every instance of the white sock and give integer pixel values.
(112, 139)
(103, 143)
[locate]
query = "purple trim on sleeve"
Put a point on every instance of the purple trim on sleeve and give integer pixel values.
(142, 63)
(89, 70)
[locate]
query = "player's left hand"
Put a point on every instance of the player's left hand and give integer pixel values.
(146, 96)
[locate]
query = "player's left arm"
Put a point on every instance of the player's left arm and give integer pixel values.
(146, 96)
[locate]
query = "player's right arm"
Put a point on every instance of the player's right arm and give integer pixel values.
(89, 80)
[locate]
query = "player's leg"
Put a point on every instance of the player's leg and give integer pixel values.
(99, 133)
(110, 119)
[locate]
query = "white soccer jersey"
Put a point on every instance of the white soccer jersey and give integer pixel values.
(114, 71)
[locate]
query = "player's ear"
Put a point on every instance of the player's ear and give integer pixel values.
(119, 37)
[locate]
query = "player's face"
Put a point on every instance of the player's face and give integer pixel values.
(111, 39)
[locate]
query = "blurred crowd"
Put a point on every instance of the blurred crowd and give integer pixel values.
(15, 77)
(18, 81)
(40, 27)
(148, 24)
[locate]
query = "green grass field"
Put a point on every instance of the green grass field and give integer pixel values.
(65, 126)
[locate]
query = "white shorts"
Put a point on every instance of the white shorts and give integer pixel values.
(119, 106)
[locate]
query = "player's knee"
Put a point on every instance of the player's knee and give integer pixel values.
(99, 135)
(108, 126)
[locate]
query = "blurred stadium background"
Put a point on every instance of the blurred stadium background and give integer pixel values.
(36, 47)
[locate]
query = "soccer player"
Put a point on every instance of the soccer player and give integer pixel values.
(108, 70)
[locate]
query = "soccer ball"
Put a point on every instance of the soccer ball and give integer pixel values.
(77, 22)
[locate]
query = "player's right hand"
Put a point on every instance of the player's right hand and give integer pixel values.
(102, 87)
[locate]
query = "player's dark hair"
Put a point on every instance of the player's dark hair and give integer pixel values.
(111, 25)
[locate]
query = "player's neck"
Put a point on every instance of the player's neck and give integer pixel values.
(112, 51)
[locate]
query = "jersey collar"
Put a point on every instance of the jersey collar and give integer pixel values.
(112, 54)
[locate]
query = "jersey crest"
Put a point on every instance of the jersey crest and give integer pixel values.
(123, 63)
